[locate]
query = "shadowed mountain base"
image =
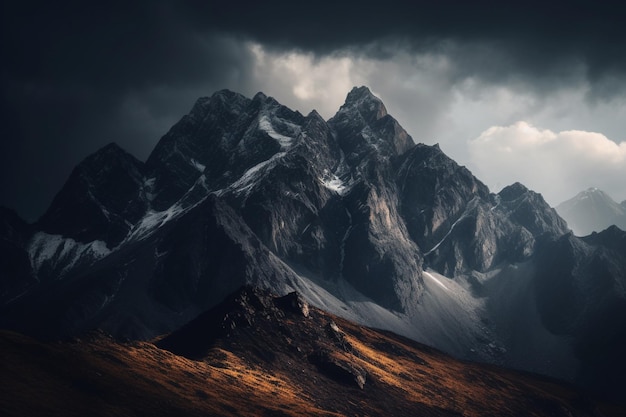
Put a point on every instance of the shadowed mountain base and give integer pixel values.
(263, 355)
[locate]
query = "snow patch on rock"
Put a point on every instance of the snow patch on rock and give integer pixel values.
(47, 250)
(200, 167)
(152, 221)
(335, 184)
(266, 125)
(252, 176)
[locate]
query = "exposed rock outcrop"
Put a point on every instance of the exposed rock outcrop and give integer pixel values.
(275, 329)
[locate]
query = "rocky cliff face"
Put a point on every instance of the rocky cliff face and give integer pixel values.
(459, 224)
(581, 288)
(348, 211)
(103, 197)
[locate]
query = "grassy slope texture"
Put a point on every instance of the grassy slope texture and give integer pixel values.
(262, 355)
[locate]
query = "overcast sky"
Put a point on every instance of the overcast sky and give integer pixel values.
(531, 91)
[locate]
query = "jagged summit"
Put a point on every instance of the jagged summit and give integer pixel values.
(249, 308)
(359, 94)
(100, 200)
(111, 147)
(364, 128)
(314, 114)
(225, 95)
(361, 99)
(260, 96)
(222, 100)
(106, 158)
(513, 191)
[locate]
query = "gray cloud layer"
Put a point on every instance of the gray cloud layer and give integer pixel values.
(77, 76)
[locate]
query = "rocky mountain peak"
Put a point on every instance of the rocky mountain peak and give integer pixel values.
(361, 99)
(313, 114)
(268, 105)
(611, 233)
(281, 330)
(108, 159)
(247, 307)
(100, 200)
(530, 210)
(364, 128)
(260, 96)
(432, 158)
(513, 192)
(221, 101)
(227, 95)
(110, 148)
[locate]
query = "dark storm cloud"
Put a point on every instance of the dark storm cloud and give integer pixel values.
(77, 75)
(528, 39)
(137, 44)
(71, 73)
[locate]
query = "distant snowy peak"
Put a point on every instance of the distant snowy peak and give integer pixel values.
(592, 210)
(595, 194)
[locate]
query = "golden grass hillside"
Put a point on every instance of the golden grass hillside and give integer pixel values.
(263, 359)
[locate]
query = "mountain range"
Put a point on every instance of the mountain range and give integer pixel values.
(350, 212)
(592, 210)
